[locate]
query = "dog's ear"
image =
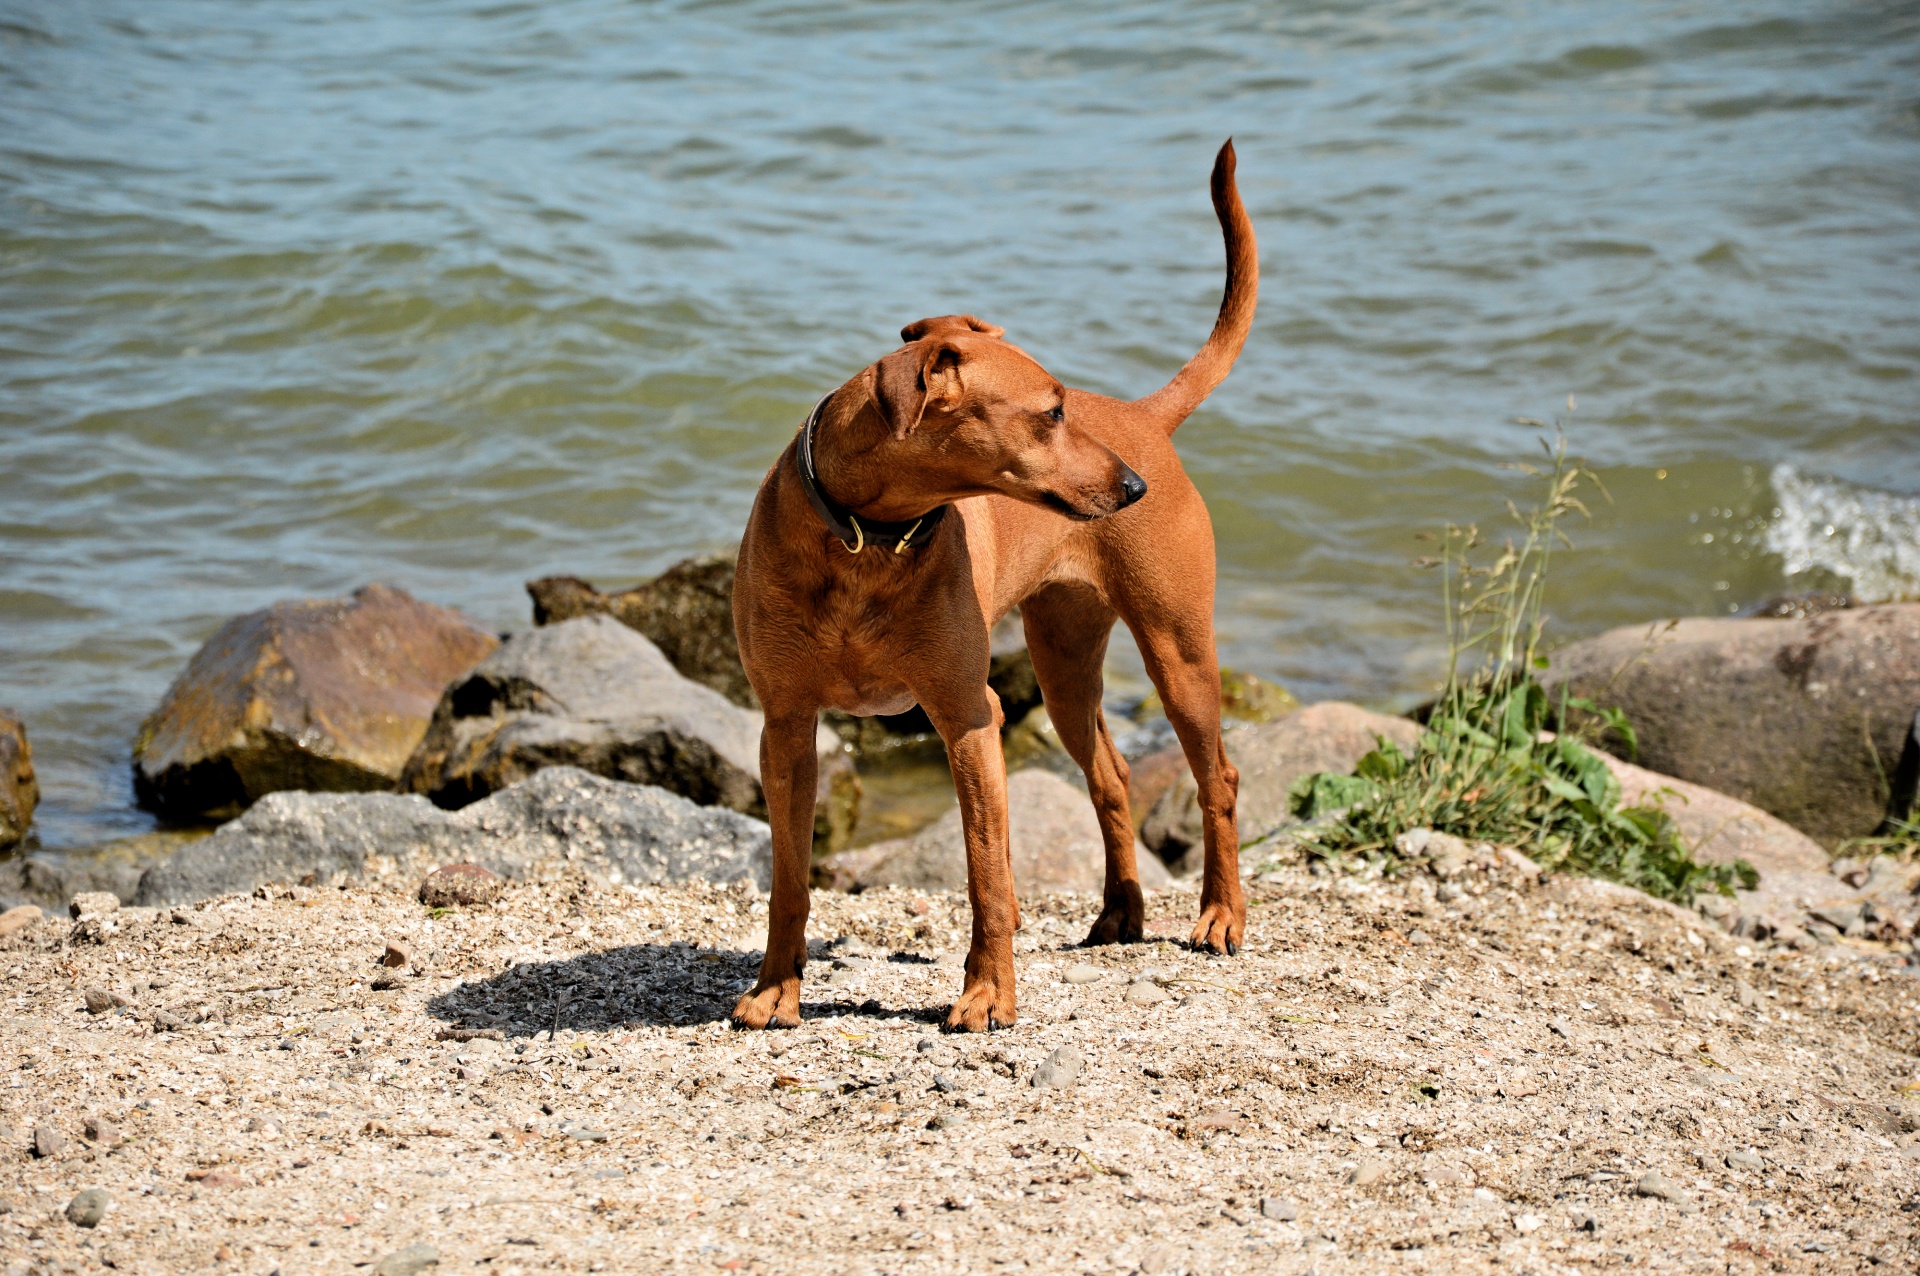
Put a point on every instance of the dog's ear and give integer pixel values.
(908, 381)
(949, 323)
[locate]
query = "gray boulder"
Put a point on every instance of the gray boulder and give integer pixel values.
(1055, 840)
(624, 832)
(1331, 736)
(686, 611)
(320, 695)
(594, 694)
(1804, 717)
(19, 790)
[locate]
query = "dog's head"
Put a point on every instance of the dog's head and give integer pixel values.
(973, 413)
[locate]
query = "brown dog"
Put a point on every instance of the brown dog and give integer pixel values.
(922, 500)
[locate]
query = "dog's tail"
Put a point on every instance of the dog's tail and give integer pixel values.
(1176, 400)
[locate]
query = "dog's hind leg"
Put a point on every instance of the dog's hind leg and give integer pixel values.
(788, 766)
(1181, 661)
(1067, 629)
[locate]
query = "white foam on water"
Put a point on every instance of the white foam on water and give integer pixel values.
(1871, 538)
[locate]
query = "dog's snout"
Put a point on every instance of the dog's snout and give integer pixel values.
(1132, 486)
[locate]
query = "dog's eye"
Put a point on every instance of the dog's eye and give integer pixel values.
(1058, 414)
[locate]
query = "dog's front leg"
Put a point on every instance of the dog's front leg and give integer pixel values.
(980, 780)
(788, 768)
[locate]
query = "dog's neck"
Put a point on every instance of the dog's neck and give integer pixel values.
(851, 439)
(852, 461)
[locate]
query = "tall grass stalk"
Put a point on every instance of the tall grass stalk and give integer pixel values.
(1486, 766)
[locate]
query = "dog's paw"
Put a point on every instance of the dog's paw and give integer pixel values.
(1221, 929)
(774, 1005)
(1121, 921)
(981, 1008)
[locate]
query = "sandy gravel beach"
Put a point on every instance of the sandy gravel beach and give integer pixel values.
(1531, 1078)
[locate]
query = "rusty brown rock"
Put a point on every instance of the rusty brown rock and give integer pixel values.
(15, 920)
(1802, 717)
(1718, 828)
(1331, 736)
(19, 790)
(327, 695)
(460, 886)
(1055, 837)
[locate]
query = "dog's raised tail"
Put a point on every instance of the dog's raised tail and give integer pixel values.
(1177, 399)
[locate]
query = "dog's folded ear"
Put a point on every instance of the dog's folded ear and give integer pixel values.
(910, 379)
(949, 323)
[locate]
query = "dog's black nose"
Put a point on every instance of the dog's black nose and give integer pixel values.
(1132, 486)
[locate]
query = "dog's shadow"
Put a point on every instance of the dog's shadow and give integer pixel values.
(636, 986)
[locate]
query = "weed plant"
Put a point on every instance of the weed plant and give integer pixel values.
(1487, 767)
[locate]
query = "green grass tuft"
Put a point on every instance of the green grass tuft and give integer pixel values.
(1487, 766)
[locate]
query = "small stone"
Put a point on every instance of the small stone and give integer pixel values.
(219, 1178)
(1842, 917)
(1162, 1260)
(1516, 862)
(92, 904)
(944, 1083)
(1745, 1162)
(1527, 1224)
(460, 886)
(1279, 1209)
(945, 1120)
(166, 1021)
(1559, 1028)
(1368, 1173)
(1653, 1183)
(1058, 1070)
(48, 1142)
(386, 981)
(1445, 1176)
(1584, 1221)
(1744, 993)
(15, 920)
(1218, 1119)
(406, 1262)
(101, 1132)
(89, 1207)
(1146, 993)
(1418, 937)
(265, 1127)
(396, 956)
(1084, 974)
(180, 917)
(100, 1001)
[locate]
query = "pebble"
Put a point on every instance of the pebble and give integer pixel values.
(1418, 937)
(15, 920)
(1744, 993)
(1162, 1260)
(1746, 1161)
(586, 1134)
(460, 886)
(1527, 1224)
(166, 1021)
(1445, 1176)
(1584, 1221)
(1084, 974)
(406, 1262)
(1146, 993)
(1368, 1173)
(92, 904)
(944, 1083)
(100, 1001)
(89, 1207)
(1654, 1183)
(102, 1132)
(1279, 1209)
(1058, 1070)
(396, 956)
(48, 1142)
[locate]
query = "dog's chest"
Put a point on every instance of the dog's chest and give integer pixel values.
(857, 644)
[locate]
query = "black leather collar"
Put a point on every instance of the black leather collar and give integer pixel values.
(854, 532)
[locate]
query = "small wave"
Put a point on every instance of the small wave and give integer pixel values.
(1870, 538)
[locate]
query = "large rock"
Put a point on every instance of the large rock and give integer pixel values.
(321, 695)
(1331, 736)
(1719, 828)
(594, 694)
(1803, 717)
(1055, 838)
(19, 790)
(624, 832)
(686, 611)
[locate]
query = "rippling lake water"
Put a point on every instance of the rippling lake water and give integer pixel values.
(452, 294)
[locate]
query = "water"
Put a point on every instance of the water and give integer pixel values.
(455, 294)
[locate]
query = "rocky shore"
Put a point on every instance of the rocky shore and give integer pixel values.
(1477, 1072)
